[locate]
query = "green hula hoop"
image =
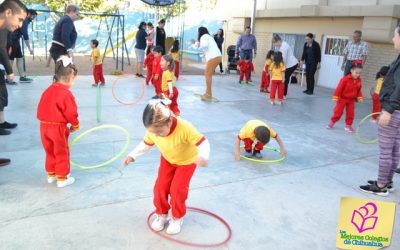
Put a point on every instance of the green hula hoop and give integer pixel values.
(358, 136)
(98, 103)
(265, 161)
(76, 139)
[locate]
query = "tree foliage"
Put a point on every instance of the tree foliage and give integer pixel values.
(85, 5)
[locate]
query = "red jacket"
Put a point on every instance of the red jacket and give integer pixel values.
(157, 71)
(348, 88)
(148, 62)
(58, 105)
(245, 66)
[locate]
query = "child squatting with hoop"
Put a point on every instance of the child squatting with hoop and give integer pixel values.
(256, 130)
(182, 148)
(57, 108)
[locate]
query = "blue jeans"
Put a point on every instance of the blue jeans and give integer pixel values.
(244, 52)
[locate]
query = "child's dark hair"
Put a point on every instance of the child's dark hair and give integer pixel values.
(95, 42)
(262, 134)
(170, 60)
(382, 72)
(150, 24)
(158, 49)
(149, 49)
(356, 64)
(156, 113)
(278, 59)
(15, 6)
(269, 54)
(64, 72)
(175, 46)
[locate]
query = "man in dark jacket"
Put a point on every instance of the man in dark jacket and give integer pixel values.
(14, 47)
(12, 14)
(311, 58)
(64, 33)
(160, 35)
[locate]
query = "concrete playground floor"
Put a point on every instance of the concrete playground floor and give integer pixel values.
(292, 205)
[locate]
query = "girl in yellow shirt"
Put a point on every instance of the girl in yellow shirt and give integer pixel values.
(376, 105)
(182, 148)
(277, 73)
(168, 87)
(174, 52)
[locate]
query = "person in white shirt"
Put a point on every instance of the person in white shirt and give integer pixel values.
(213, 58)
(289, 59)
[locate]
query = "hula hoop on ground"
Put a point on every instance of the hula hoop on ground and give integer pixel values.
(358, 136)
(265, 161)
(185, 243)
(127, 103)
(76, 139)
(98, 103)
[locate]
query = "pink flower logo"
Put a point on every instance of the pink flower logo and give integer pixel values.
(363, 218)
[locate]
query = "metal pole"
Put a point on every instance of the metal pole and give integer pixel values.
(253, 15)
(117, 62)
(123, 42)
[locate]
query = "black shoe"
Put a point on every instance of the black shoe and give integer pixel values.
(4, 131)
(309, 93)
(142, 76)
(389, 186)
(8, 125)
(397, 171)
(305, 91)
(374, 189)
(4, 162)
(11, 83)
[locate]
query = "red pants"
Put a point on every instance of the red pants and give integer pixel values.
(376, 105)
(248, 145)
(277, 84)
(176, 69)
(98, 74)
(157, 85)
(174, 101)
(55, 144)
(245, 74)
(149, 75)
(264, 81)
(338, 110)
(172, 180)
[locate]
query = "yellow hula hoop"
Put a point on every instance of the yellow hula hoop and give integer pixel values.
(76, 139)
(265, 161)
(358, 136)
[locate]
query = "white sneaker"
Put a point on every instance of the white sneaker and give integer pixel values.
(65, 182)
(51, 179)
(174, 226)
(159, 222)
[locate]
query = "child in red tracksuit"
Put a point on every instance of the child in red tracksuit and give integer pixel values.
(346, 93)
(57, 109)
(168, 83)
(182, 149)
(265, 77)
(245, 67)
(376, 104)
(148, 63)
(277, 73)
(157, 71)
(95, 57)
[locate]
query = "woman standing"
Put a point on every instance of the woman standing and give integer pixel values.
(213, 58)
(289, 59)
(389, 128)
(141, 38)
(219, 39)
(312, 59)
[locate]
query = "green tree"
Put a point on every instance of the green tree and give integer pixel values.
(85, 5)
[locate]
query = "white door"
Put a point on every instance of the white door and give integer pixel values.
(331, 60)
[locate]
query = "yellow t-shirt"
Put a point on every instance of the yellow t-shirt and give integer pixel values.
(379, 85)
(248, 130)
(267, 63)
(180, 146)
(167, 76)
(175, 55)
(96, 54)
(276, 72)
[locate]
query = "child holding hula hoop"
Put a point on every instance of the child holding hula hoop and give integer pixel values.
(182, 148)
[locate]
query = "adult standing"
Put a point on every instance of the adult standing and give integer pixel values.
(289, 59)
(161, 35)
(64, 33)
(213, 58)
(388, 127)
(355, 50)
(12, 14)
(14, 47)
(141, 38)
(246, 45)
(311, 58)
(219, 39)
